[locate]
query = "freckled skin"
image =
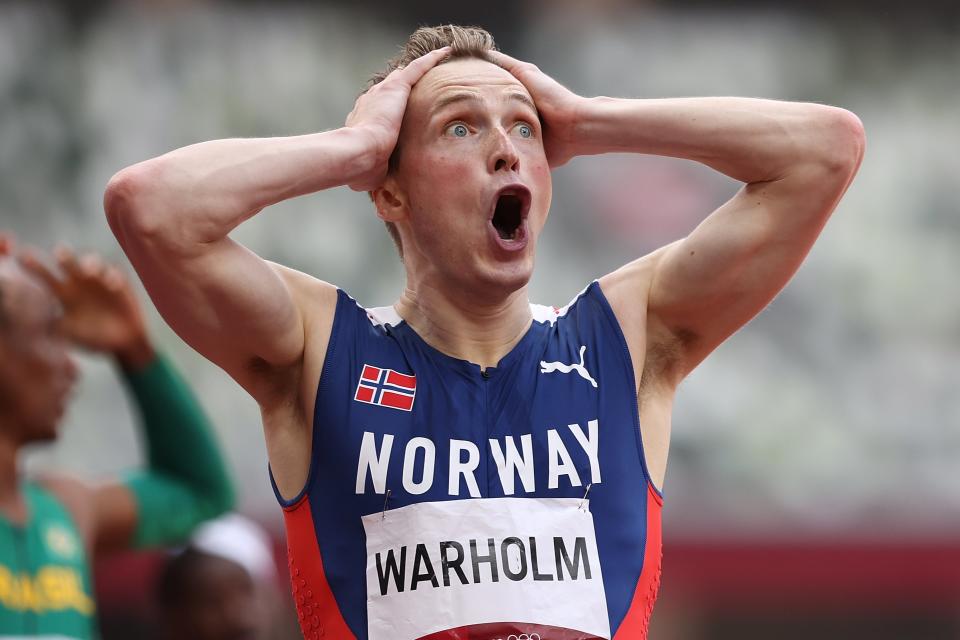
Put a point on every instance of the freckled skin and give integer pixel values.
(448, 183)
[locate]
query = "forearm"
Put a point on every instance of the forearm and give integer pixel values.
(186, 480)
(748, 139)
(199, 193)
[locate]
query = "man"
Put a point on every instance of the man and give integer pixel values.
(50, 528)
(380, 422)
(222, 585)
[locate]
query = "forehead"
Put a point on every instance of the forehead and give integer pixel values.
(469, 75)
(27, 302)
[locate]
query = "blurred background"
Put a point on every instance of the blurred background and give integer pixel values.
(814, 480)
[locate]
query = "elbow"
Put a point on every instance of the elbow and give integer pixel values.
(126, 203)
(842, 142)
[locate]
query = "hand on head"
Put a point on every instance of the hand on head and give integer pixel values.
(379, 114)
(100, 309)
(379, 111)
(558, 107)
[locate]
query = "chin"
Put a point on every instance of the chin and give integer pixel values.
(508, 278)
(42, 435)
(45, 430)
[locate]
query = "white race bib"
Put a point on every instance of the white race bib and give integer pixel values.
(490, 568)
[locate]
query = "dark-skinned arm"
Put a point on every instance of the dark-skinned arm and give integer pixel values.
(185, 480)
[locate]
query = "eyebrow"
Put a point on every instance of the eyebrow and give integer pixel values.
(454, 98)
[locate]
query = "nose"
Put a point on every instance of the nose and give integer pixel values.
(503, 155)
(70, 367)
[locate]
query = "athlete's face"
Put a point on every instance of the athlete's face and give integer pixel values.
(472, 187)
(37, 371)
(221, 602)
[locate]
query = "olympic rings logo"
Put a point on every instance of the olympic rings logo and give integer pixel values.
(522, 636)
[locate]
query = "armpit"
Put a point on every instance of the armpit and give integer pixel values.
(663, 361)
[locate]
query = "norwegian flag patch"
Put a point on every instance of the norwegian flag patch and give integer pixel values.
(386, 388)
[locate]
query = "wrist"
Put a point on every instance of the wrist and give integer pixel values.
(367, 151)
(588, 131)
(135, 355)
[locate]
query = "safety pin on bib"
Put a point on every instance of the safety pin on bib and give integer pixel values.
(383, 515)
(584, 498)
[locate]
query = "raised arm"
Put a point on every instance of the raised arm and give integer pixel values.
(172, 216)
(184, 480)
(796, 161)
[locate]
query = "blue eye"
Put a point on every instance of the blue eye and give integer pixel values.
(525, 131)
(459, 130)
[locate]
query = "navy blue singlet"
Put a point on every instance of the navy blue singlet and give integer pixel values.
(433, 486)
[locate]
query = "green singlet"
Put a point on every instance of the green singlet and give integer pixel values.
(45, 586)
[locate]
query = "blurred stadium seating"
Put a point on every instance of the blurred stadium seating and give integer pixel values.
(813, 488)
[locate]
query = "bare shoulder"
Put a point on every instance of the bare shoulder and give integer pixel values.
(654, 349)
(628, 288)
(287, 407)
(315, 298)
(317, 302)
(656, 353)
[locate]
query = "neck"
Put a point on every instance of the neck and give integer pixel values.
(11, 501)
(461, 325)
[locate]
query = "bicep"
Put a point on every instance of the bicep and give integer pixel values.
(146, 510)
(229, 304)
(734, 263)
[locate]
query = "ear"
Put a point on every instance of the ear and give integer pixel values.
(390, 201)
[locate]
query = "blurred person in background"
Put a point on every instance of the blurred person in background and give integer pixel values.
(52, 526)
(222, 585)
(462, 388)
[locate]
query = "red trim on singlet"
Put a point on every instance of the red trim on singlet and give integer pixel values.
(320, 616)
(316, 607)
(637, 621)
(511, 630)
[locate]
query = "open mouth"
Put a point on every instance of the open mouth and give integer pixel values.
(510, 211)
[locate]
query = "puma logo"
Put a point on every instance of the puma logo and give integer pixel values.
(550, 367)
